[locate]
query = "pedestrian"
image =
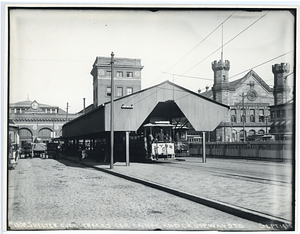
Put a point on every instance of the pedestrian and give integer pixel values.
(161, 135)
(149, 145)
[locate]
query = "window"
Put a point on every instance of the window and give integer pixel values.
(261, 117)
(129, 90)
(119, 74)
(129, 74)
(108, 73)
(252, 115)
(283, 113)
(119, 91)
(243, 115)
(233, 115)
(272, 114)
(108, 91)
(278, 113)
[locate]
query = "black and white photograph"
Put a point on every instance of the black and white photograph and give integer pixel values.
(150, 118)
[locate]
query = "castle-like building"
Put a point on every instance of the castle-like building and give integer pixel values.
(249, 99)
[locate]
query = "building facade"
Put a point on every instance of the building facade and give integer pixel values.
(282, 118)
(249, 99)
(127, 78)
(38, 121)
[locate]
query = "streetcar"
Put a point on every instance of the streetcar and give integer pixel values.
(160, 140)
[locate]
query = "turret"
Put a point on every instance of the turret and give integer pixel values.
(221, 83)
(281, 88)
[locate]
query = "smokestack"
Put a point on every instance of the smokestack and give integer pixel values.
(83, 105)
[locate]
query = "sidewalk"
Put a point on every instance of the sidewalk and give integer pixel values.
(265, 202)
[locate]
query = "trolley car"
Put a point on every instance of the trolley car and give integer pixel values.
(156, 141)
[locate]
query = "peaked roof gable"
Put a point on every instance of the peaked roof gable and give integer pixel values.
(235, 84)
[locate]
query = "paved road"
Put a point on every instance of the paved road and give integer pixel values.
(265, 187)
(50, 194)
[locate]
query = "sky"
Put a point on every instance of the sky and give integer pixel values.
(52, 51)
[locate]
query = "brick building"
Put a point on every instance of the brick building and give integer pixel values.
(249, 99)
(127, 78)
(37, 120)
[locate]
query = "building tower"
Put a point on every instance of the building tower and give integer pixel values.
(221, 84)
(127, 78)
(221, 90)
(281, 89)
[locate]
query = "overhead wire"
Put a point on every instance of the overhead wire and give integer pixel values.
(196, 46)
(227, 42)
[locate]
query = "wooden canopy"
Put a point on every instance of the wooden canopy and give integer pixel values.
(165, 101)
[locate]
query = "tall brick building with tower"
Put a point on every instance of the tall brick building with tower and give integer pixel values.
(127, 78)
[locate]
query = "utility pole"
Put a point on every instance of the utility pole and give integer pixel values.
(243, 117)
(266, 125)
(112, 113)
(67, 112)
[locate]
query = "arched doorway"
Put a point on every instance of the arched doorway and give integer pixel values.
(45, 135)
(261, 132)
(25, 136)
(251, 132)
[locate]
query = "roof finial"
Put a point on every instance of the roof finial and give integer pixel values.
(27, 97)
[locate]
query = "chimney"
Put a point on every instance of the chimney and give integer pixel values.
(83, 105)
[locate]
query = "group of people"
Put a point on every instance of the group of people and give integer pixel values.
(159, 137)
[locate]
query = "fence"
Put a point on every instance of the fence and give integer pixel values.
(277, 151)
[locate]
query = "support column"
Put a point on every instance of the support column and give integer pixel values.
(203, 148)
(127, 149)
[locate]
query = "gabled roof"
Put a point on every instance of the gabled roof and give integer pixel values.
(236, 83)
(166, 100)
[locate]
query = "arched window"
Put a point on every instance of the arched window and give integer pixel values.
(25, 134)
(252, 115)
(45, 134)
(233, 116)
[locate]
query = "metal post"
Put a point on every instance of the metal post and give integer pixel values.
(266, 124)
(112, 113)
(127, 149)
(203, 148)
(244, 116)
(53, 128)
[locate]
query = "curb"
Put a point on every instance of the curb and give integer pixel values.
(240, 212)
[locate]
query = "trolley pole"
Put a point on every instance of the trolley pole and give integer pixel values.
(112, 113)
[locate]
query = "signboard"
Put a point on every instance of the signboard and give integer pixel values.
(163, 148)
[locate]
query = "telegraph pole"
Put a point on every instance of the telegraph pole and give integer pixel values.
(266, 125)
(244, 116)
(112, 113)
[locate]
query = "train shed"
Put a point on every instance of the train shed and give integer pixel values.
(165, 101)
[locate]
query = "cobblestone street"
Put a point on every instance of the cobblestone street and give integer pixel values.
(47, 194)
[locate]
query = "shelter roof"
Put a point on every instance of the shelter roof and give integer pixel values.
(160, 102)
